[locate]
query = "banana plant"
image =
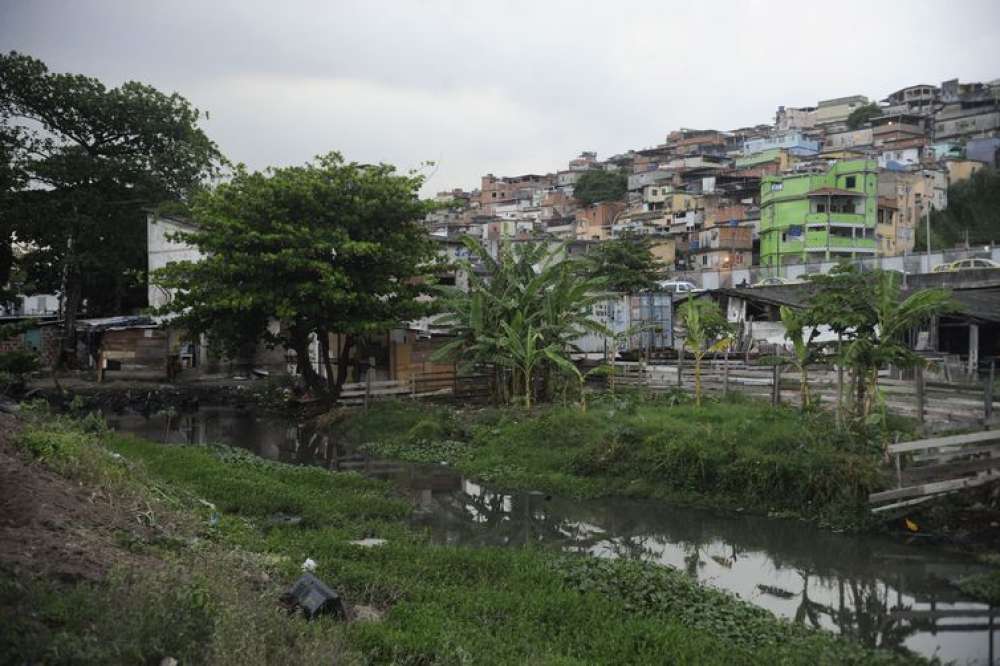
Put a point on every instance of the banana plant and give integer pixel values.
(706, 331)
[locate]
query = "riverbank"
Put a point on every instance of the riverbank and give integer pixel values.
(210, 537)
(738, 454)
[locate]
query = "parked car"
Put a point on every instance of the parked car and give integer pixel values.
(679, 286)
(772, 281)
(965, 265)
(775, 281)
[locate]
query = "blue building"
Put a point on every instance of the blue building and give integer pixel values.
(795, 143)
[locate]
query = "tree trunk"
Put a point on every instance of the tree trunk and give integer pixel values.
(324, 350)
(697, 379)
(527, 388)
(72, 296)
(805, 387)
(300, 343)
(343, 358)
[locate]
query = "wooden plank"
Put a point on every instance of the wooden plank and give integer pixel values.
(940, 442)
(951, 469)
(905, 503)
(951, 453)
(931, 488)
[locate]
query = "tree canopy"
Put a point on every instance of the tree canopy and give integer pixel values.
(329, 247)
(521, 316)
(861, 115)
(869, 312)
(81, 163)
(973, 208)
(600, 185)
(625, 264)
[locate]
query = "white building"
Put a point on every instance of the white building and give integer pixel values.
(162, 250)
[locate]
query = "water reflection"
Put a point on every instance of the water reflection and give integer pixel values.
(879, 592)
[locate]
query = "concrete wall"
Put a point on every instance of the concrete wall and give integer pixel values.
(162, 251)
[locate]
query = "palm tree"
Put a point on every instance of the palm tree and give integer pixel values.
(706, 330)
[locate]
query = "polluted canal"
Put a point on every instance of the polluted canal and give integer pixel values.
(876, 590)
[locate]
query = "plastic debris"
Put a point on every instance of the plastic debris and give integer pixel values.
(369, 542)
(309, 565)
(313, 597)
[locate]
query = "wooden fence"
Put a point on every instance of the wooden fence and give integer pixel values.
(443, 384)
(928, 468)
(938, 405)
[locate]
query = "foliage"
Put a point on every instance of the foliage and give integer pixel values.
(625, 264)
(450, 605)
(985, 587)
(329, 247)
(973, 213)
(804, 352)
(600, 185)
(86, 160)
(705, 330)
(871, 315)
(523, 313)
(861, 115)
(653, 590)
(737, 453)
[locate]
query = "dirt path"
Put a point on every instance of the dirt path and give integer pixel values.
(50, 526)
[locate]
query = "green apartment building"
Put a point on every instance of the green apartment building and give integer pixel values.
(811, 217)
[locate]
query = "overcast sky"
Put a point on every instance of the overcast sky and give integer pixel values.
(499, 87)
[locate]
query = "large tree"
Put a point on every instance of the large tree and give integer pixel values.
(600, 185)
(85, 160)
(329, 247)
(973, 213)
(625, 264)
(861, 115)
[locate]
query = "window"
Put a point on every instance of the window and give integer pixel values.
(821, 208)
(850, 182)
(777, 187)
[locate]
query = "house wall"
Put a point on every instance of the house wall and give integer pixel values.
(162, 251)
(786, 212)
(134, 353)
(41, 340)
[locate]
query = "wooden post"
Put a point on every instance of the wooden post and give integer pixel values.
(973, 366)
(680, 368)
(840, 382)
(988, 395)
(725, 375)
(920, 392)
(368, 381)
(776, 385)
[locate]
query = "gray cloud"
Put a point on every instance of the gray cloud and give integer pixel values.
(499, 87)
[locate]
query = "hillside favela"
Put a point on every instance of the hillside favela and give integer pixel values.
(475, 334)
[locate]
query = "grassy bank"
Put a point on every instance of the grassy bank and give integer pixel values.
(736, 454)
(202, 586)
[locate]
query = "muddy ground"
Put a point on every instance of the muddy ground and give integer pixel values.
(56, 528)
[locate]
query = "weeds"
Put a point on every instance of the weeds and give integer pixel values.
(444, 604)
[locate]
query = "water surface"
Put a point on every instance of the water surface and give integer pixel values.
(876, 590)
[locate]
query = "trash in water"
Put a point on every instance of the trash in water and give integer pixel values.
(313, 597)
(776, 591)
(309, 565)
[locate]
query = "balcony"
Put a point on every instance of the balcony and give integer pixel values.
(836, 218)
